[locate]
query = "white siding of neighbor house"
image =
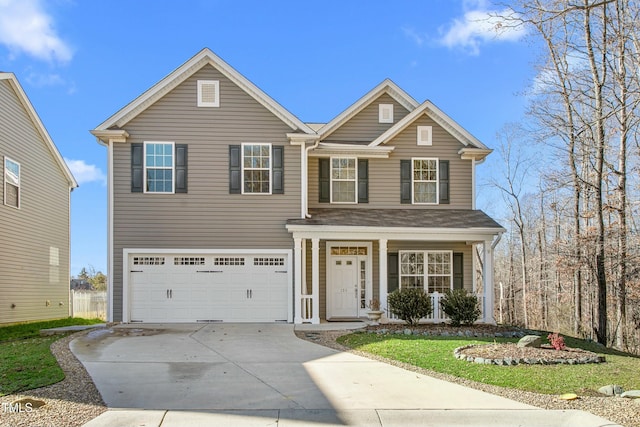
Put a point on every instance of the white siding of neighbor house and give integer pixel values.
(38, 290)
(207, 217)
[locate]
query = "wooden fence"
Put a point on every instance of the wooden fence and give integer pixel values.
(89, 304)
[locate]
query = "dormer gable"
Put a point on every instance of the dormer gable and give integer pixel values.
(472, 147)
(370, 115)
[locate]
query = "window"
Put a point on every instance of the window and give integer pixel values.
(256, 168)
(158, 167)
(424, 135)
(428, 270)
(208, 93)
(343, 180)
(425, 181)
(385, 113)
(11, 183)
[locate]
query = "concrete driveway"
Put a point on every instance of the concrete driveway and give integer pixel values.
(262, 374)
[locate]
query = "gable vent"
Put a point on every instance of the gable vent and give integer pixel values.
(424, 135)
(385, 113)
(208, 93)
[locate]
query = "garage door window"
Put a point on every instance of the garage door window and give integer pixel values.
(185, 260)
(228, 261)
(268, 261)
(148, 260)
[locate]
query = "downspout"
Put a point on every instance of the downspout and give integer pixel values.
(306, 180)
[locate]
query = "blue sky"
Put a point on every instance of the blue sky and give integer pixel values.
(81, 61)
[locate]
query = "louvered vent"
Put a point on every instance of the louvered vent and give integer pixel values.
(208, 93)
(424, 135)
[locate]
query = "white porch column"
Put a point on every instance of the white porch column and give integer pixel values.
(297, 280)
(487, 281)
(382, 274)
(315, 279)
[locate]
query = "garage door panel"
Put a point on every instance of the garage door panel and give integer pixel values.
(209, 287)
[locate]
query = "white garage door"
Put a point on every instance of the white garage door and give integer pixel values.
(208, 287)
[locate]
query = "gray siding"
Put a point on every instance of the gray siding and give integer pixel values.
(26, 277)
(207, 217)
(384, 174)
(364, 126)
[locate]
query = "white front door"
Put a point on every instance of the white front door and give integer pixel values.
(343, 287)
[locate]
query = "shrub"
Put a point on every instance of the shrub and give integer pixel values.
(556, 341)
(410, 305)
(460, 307)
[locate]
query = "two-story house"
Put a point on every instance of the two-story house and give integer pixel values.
(35, 210)
(224, 206)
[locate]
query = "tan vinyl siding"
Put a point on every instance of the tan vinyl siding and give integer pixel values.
(364, 126)
(27, 234)
(384, 174)
(207, 217)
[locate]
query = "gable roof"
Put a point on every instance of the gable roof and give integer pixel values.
(37, 123)
(388, 87)
(429, 109)
(186, 70)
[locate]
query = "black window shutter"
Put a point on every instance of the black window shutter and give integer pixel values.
(458, 271)
(363, 181)
(277, 152)
(444, 181)
(405, 181)
(393, 278)
(324, 180)
(235, 171)
(181, 168)
(137, 167)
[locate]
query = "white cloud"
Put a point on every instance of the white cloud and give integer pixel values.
(41, 80)
(413, 35)
(478, 26)
(26, 27)
(85, 173)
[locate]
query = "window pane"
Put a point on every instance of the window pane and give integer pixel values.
(344, 191)
(424, 192)
(12, 197)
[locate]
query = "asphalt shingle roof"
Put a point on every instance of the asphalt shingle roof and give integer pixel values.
(422, 218)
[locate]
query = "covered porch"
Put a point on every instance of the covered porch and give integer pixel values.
(344, 258)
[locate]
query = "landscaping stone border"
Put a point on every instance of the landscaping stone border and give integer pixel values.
(468, 333)
(512, 361)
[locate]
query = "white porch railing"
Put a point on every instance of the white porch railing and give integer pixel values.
(306, 308)
(437, 315)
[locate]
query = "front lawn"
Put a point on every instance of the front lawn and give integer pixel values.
(436, 354)
(26, 361)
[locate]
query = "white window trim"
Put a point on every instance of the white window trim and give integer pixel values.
(413, 198)
(381, 110)
(215, 103)
(173, 168)
(4, 178)
(270, 167)
(355, 180)
(429, 140)
(426, 275)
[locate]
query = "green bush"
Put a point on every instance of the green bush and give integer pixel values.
(410, 305)
(460, 307)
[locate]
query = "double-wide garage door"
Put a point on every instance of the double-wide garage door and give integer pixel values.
(208, 287)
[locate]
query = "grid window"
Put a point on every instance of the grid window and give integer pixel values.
(256, 168)
(343, 180)
(11, 183)
(425, 181)
(159, 167)
(428, 270)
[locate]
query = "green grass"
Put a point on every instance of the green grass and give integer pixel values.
(436, 354)
(30, 330)
(26, 361)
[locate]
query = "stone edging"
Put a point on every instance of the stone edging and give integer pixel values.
(512, 361)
